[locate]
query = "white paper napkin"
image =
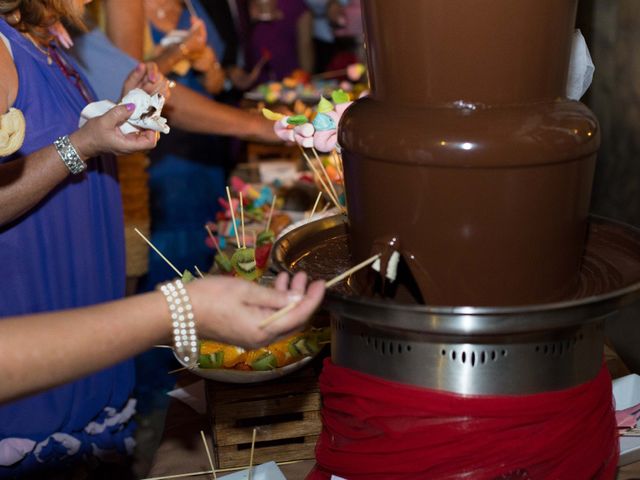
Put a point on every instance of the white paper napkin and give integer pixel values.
(581, 68)
(140, 119)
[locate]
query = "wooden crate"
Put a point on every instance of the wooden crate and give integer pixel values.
(285, 413)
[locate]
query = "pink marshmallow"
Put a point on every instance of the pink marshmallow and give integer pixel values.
(303, 135)
(340, 108)
(325, 141)
(281, 127)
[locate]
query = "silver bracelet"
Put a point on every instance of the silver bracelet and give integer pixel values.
(69, 155)
(183, 321)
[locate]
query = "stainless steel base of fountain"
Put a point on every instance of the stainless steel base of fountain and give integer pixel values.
(473, 350)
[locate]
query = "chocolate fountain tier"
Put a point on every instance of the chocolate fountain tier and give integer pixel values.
(468, 153)
(468, 349)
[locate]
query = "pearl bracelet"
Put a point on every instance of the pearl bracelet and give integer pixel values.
(183, 321)
(69, 155)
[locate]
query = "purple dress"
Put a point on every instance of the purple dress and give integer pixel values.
(66, 252)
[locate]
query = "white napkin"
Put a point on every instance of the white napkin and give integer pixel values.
(581, 68)
(174, 37)
(146, 116)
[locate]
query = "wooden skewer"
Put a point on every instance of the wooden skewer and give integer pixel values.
(277, 315)
(273, 205)
(198, 271)
(171, 372)
(315, 205)
(206, 447)
(158, 252)
(213, 239)
(321, 180)
(283, 311)
(337, 159)
(163, 346)
(220, 470)
(326, 174)
(192, 10)
(233, 218)
(352, 270)
(253, 445)
(244, 239)
(340, 168)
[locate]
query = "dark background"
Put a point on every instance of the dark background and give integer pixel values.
(612, 30)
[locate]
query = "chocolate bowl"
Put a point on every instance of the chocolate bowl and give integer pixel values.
(467, 153)
(495, 350)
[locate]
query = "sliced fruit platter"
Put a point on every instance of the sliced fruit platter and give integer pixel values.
(229, 363)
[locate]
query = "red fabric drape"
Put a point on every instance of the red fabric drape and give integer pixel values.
(376, 429)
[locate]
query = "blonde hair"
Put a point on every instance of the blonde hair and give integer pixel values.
(36, 16)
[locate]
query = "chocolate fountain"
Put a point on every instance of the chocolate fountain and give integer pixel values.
(469, 160)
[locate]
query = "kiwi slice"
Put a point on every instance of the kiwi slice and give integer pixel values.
(223, 263)
(187, 276)
(267, 236)
(243, 261)
(267, 361)
(212, 360)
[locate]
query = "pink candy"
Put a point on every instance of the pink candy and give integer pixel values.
(281, 127)
(303, 135)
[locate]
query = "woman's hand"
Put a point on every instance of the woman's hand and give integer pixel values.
(103, 135)
(214, 75)
(196, 41)
(147, 77)
(230, 310)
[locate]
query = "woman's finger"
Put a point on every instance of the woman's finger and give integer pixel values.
(299, 282)
(265, 297)
(302, 312)
(282, 282)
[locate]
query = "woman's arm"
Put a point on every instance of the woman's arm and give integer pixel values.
(125, 24)
(25, 181)
(196, 113)
(41, 351)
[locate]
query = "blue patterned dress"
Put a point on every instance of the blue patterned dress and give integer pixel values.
(66, 252)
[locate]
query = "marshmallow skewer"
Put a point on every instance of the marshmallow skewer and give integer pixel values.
(283, 311)
(321, 180)
(233, 218)
(326, 174)
(158, 252)
(315, 205)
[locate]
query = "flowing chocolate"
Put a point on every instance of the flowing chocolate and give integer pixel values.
(468, 150)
